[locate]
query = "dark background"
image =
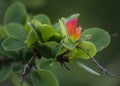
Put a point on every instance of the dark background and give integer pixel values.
(94, 13)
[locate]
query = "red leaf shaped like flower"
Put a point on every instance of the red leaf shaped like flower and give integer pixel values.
(72, 29)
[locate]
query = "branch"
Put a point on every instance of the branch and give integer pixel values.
(26, 66)
(62, 59)
(105, 71)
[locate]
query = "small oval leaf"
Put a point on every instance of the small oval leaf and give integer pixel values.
(88, 47)
(99, 37)
(43, 19)
(16, 31)
(12, 44)
(44, 78)
(45, 31)
(15, 13)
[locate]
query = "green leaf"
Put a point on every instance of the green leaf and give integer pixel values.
(46, 31)
(15, 13)
(43, 19)
(12, 44)
(57, 49)
(2, 32)
(31, 38)
(57, 37)
(51, 45)
(56, 26)
(99, 37)
(88, 69)
(16, 31)
(67, 43)
(44, 50)
(87, 46)
(16, 80)
(6, 53)
(5, 71)
(44, 63)
(63, 29)
(44, 78)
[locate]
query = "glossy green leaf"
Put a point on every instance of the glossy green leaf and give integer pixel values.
(16, 31)
(5, 71)
(57, 49)
(56, 26)
(63, 29)
(6, 53)
(85, 47)
(44, 78)
(67, 42)
(99, 37)
(15, 13)
(51, 45)
(88, 69)
(43, 19)
(16, 80)
(2, 32)
(44, 50)
(44, 63)
(49, 48)
(12, 44)
(46, 31)
(31, 38)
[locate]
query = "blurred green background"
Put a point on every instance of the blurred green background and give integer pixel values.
(94, 13)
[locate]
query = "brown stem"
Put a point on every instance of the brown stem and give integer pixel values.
(105, 71)
(62, 59)
(26, 66)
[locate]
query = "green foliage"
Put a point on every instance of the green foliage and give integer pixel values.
(15, 79)
(43, 19)
(31, 39)
(5, 71)
(44, 78)
(2, 32)
(44, 50)
(22, 39)
(67, 42)
(15, 13)
(16, 31)
(98, 37)
(46, 31)
(62, 27)
(88, 47)
(46, 64)
(10, 44)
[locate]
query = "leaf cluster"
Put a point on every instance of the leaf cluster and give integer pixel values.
(22, 35)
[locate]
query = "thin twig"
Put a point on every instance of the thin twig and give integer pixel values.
(105, 71)
(26, 66)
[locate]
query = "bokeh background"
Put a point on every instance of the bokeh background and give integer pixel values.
(94, 13)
